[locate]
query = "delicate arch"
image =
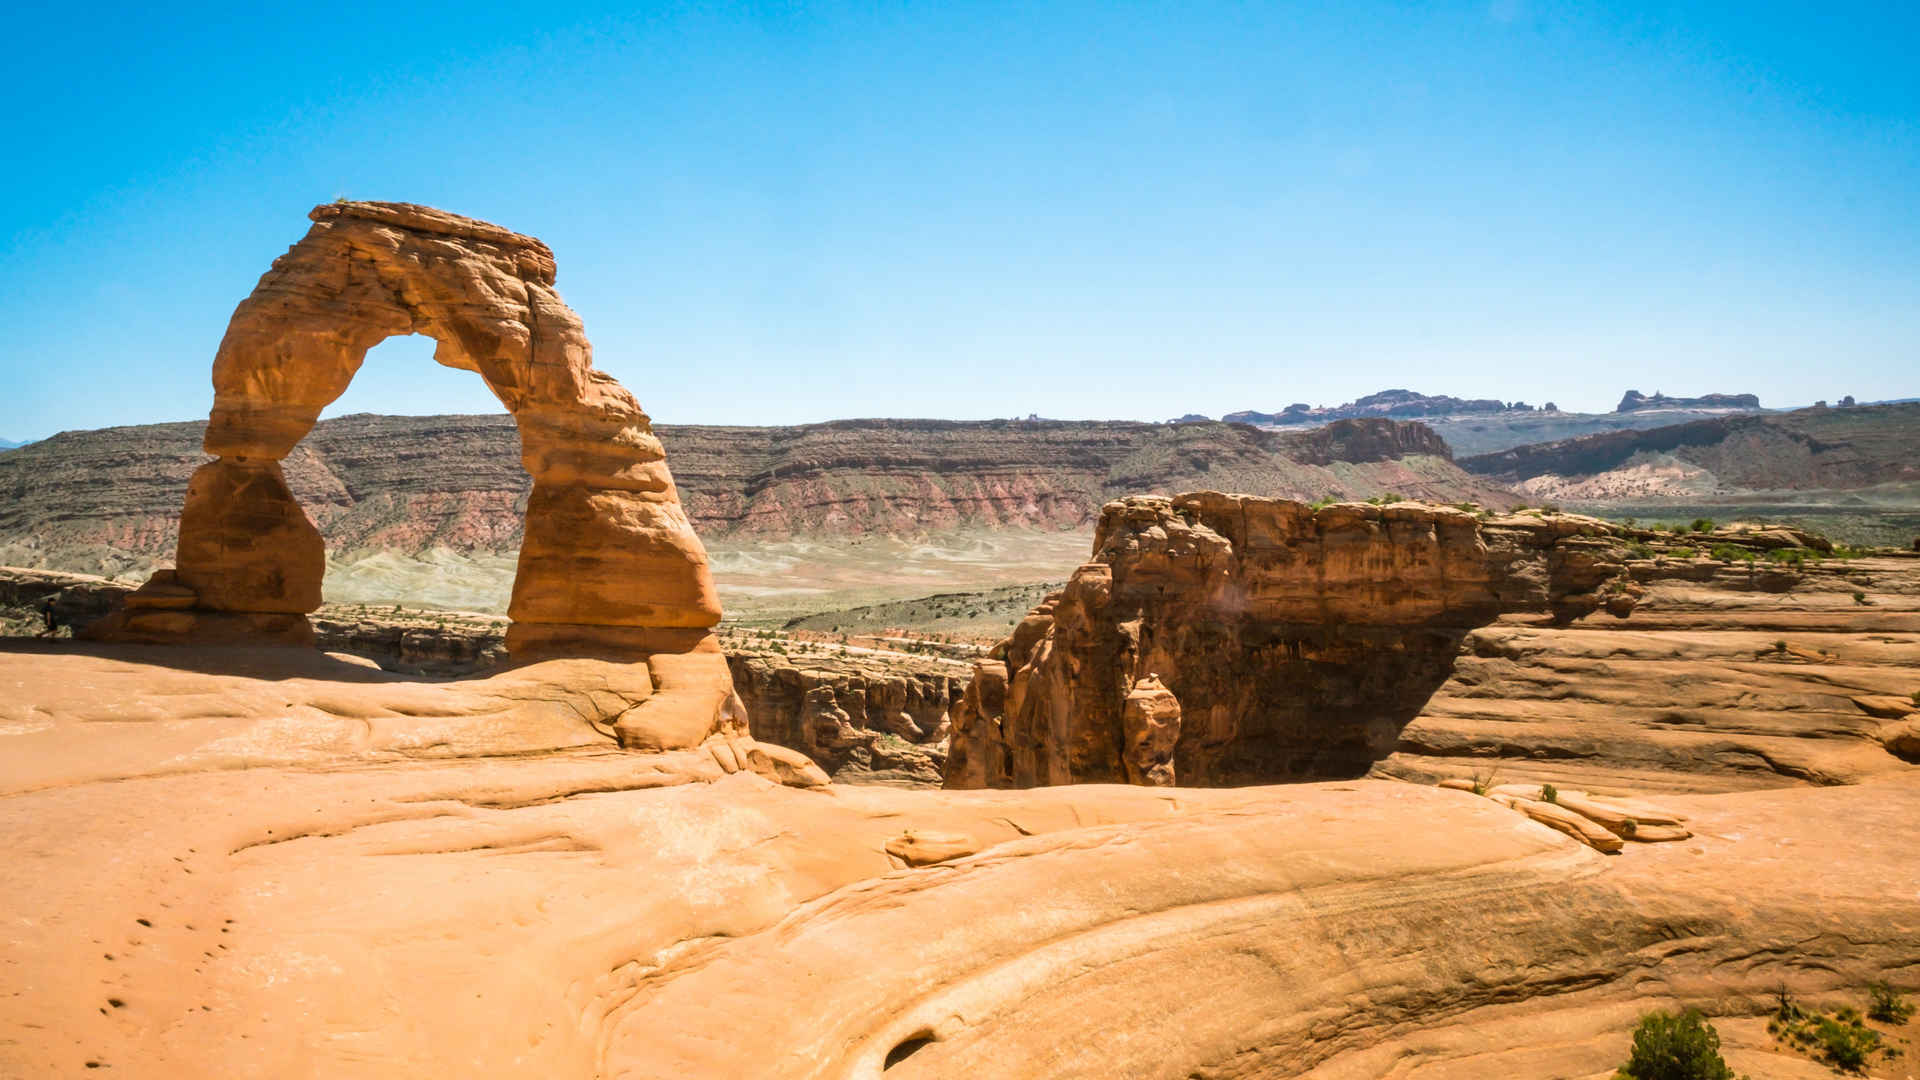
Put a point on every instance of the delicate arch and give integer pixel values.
(610, 561)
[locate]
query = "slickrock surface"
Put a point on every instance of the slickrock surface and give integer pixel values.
(609, 563)
(1296, 641)
(865, 717)
(198, 886)
(1693, 692)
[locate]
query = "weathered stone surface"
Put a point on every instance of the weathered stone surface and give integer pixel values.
(863, 718)
(1150, 720)
(921, 847)
(245, 544)
(1298, 641)
(395, 879)
(1728, 676)
(607, 548)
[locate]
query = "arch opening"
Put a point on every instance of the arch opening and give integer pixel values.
(609, 564)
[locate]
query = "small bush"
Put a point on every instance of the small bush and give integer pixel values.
(1861, 599)
(1701, 525)
(1727, 553)
(1549, 793)
(1670, 1047)
(1846, 1043)
(1639, 550)
(1885, 1004)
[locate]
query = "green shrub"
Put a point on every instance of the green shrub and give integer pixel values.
(1729, 552)
(1639, 550)
(1861, 599)
(1670, 1047)
(1549, 793)
(1701, 525)
(1846, 1043)
(1884, 1003)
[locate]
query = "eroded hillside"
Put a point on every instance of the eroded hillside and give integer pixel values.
(416, 484)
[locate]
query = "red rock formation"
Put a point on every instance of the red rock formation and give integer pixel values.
(1296, 642)
(610, 563)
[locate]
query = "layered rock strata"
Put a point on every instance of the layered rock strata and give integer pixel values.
(1731, 674)
(609, 564)
(1295, 641)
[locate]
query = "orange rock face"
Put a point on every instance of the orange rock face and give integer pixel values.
(1231, 639)
(610, 566)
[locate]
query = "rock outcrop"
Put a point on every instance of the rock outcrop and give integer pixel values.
(1295, 641)
(609, 563)
(862, 718)
(1732, 673)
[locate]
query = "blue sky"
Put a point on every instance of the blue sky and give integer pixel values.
(789, 213)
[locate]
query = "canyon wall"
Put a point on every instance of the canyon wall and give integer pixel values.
(1295, 642)
(1229, 640)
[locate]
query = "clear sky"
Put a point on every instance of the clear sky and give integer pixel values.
(789, 212)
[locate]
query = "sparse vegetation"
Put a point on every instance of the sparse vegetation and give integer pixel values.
(1549, 793)
(1842, 1040)
(1484, 783)
(1667, 1046)
(1861, 599)
(1702, 525)
(1794, 556)
(1728, 553)
(1884, 1003)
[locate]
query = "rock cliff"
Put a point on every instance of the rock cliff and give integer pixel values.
(1418, 643)
(1297, 641)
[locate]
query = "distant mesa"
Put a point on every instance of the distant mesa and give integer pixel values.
(1634, 401)
(1393, 404)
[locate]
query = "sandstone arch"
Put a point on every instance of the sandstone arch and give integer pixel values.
(610, 565)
